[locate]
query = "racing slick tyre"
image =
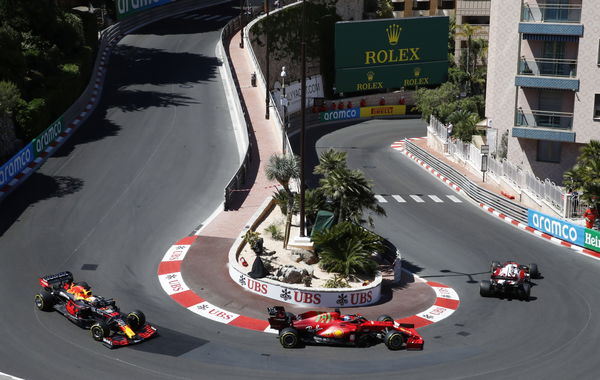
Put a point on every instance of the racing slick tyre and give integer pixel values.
(385, 318)
(495, 265)
(394, 340)
(44, 301)
(99, 331)
(533, 271)
(485, 288)
(289, 337)
(525, 291)
(136, 320)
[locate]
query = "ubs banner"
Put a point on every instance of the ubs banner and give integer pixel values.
(391, 53)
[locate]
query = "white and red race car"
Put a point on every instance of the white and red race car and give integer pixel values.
(509, 279)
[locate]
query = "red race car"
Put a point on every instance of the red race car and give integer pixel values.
(334, 328)
(509, 280)
(107, 324)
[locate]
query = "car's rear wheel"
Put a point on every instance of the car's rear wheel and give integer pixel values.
(385, 318)
(289, 337)
(136, 320)
(394, 340)
(44, 301)
(526, 291)
(99, 331)
(485, 288)
(533, 271)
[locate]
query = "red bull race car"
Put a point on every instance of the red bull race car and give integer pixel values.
(509, 279)
(101, 316)
(334, 328)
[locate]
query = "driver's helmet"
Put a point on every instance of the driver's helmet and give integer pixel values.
(513, 270)
(346, 318)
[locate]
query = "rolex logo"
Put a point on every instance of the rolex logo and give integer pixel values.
(417, 71)
(393, 34)
(370, 75)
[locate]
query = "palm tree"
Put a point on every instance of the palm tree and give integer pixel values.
(282, 168)
(585, 174)
(468, 31)
(464, 124)
(329, 161)
(346, 249)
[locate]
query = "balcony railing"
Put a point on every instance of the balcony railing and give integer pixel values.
(548, 67)
(556, 13)
(544, 119)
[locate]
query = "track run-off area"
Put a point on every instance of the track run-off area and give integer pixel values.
(149, 167)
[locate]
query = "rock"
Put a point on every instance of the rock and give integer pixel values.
(290, 274)
(308, 257)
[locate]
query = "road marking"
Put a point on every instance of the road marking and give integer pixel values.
(454, 199)
(435, 198)
(380, 199)
(398, 198)
(416, 198)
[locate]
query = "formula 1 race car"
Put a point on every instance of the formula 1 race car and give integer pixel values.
(509, 280)
(106, 323)
(337, 329)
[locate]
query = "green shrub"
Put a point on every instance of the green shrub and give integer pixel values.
(275, 231)
(337, 282)
(31, 116)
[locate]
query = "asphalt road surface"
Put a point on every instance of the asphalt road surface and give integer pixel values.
(150, 166)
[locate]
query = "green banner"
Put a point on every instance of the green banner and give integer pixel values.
(391, 53)
(592, 240)
(127, 7)
(41, 142)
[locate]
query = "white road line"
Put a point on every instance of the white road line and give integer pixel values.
(454, 199)
(416, 198)
(380, 199)
(398, 198)
(435, 198)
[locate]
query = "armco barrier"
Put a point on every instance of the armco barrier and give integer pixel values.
(81, 109)
(503, 205)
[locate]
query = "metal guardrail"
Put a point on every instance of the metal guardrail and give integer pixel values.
(478, 194)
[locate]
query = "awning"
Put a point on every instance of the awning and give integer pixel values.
(550, 37)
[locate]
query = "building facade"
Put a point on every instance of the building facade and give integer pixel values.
(543, 86)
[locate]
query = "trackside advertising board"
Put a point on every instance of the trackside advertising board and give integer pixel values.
(16, 164)
(128, 7)
(356, 112)
(391, 53)
(573, 233)
(44, 139)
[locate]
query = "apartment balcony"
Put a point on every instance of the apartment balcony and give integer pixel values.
(544, 125)
(551, 22)
(548, 82)
(551, 13)
(548, 67)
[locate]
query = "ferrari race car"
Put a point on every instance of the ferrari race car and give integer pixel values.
(509, 280)
(337, 329)
(106, 323)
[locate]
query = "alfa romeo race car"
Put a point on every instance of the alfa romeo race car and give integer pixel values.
(98, 314)
(336, 329)
(509, 279)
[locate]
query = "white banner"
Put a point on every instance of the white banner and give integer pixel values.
(305, 297)
(314, 89)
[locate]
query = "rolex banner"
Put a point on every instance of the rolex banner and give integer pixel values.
(391, 53)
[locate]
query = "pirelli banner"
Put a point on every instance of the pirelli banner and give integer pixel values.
(391, 53)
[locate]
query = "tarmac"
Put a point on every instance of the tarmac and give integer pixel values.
(194, 272)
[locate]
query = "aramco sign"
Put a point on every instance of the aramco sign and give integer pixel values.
(391, 53)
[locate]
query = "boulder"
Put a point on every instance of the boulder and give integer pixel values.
(290, 274)
(305, 256)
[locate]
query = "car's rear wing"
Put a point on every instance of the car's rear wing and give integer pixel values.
(278, 319)
(52, 279)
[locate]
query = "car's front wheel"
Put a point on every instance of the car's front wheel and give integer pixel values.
(289, 337)
(136, 320)
(44, 301)
(394, 340)
(99, 331)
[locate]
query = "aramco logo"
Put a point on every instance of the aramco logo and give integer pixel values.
(393, 34)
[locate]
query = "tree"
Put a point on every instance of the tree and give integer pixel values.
(385, 9)
(584, 177)
(427, 101)
(464, 124)
(282, 168)
(10, 97)
(347, 248)
(348, 190)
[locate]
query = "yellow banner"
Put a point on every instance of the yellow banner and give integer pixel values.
(382, 111)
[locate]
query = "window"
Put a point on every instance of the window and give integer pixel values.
(597, 107)
(548, 151)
